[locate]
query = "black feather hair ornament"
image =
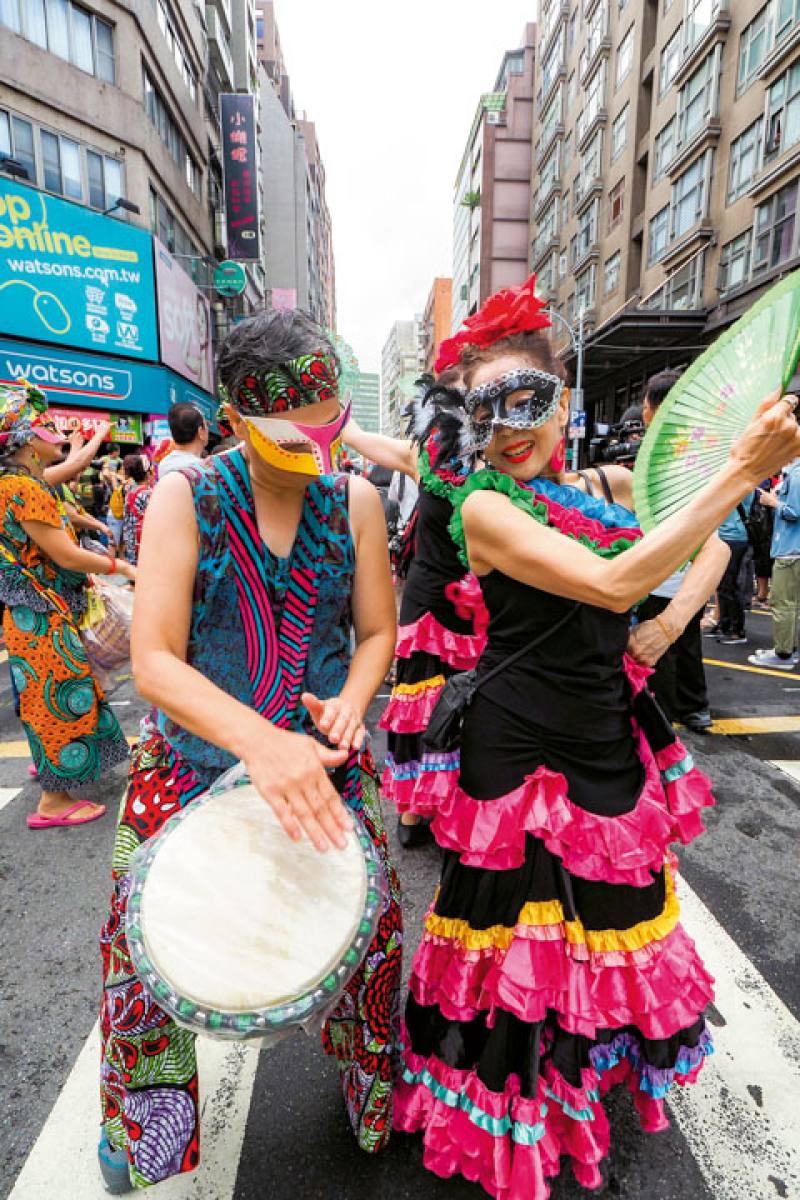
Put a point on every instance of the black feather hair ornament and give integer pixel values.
(438, 422)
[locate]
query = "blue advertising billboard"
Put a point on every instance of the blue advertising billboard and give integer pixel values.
(72, 277)
(91, 381)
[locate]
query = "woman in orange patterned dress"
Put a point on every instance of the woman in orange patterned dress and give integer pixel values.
(73, 734)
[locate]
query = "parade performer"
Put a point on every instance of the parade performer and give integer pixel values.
(244, 649)
(74, 736)
(442, 615)
(553, 964)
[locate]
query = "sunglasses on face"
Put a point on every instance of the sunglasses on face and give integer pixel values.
(523, 399)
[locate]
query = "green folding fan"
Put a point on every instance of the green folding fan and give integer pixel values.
(714, 401)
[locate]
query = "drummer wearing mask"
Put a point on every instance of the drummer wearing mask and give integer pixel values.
(244, 648)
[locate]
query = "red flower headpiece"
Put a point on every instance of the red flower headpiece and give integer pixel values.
(509, 311)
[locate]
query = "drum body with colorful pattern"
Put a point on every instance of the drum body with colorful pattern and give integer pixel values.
(239, 932)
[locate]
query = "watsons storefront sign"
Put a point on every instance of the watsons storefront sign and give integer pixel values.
(106, 383)
(73, 277)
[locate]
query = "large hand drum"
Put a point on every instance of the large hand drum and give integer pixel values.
(239, 932)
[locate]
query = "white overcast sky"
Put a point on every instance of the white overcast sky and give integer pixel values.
(393, 88)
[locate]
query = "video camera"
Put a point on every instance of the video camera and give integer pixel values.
(621, 443)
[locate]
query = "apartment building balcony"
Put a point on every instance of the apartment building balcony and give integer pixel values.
(541, 249)
(688, 245)
(557, 131)
(585, 257)
(543, 197)
(559, 77)
(548, 35)
(775, 172)
(709, 135)
(717, 31)
(588, 7)
(598, 121)
(218, 47)
(585, 190)
(601, 50)
(778, 56)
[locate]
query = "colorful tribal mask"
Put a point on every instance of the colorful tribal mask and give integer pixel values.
(23, 410)
(302, 449)
(309, 379)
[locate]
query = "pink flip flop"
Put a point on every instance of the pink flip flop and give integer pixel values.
(34, 774)
(40, 821)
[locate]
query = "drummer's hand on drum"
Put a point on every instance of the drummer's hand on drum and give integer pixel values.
(770, 441)
(289, 770)
(338, 719)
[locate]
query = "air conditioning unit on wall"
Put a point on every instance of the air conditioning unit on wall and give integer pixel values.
(496, 117)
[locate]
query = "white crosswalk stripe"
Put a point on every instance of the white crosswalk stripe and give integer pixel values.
(7, 794)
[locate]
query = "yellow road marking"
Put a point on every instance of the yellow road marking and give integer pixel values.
(720, 662)
(739, 725)
(21, 749)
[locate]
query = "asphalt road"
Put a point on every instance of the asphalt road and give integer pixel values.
(53, 891)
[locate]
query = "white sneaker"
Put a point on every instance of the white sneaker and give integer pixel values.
(768, 658)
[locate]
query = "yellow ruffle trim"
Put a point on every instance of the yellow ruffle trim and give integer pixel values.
(550, 912)
(413, 689)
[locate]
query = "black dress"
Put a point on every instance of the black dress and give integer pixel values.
(553, 964)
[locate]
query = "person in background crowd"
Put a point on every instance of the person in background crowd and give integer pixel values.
(73, 734)
(762, 525)
(785, 592)
(82, 452)
(190, 435)
(679, 680)
(139, 489)
(733, 595)
(112, 462)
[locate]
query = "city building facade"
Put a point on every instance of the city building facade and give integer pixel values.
(400, 366)
(104, 139)
(437, 320)
(491, 202)
(667, 158)
(366, 399)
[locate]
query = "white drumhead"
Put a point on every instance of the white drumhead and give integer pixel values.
(235, 916)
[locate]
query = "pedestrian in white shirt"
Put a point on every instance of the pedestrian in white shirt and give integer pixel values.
(190, 435)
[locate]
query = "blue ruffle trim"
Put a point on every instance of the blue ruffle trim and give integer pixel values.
(612, 516)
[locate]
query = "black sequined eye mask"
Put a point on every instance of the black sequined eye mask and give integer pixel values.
(487, 405)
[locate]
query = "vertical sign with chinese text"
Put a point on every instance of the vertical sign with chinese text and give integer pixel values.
(240, 166)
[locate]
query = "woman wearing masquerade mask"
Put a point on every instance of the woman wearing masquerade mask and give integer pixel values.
(269, 550)
(73, 734)
(442, 617)
(553, 964)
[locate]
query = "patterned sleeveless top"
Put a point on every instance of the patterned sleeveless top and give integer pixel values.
(256, 631)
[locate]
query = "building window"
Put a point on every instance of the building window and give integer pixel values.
(787, 15)
(666, 6)
(670, 61)
(611, 274)
(619, 133)
(664, 150)
(744, 160)
(658, 235)
(616, 203)
(551, 118)
(624, 57)
(689, 195)
(571, 28)
(587, 228)
(548, 227)
(169, 132)
(552, 64)
(754, 45)
(168, 230)
(595, 95)
(585, 287)
(567, 152)
(698, 98)
(62, 165)
(699, 15)
(684, 289)
(562, 265)
(176, 45)
(565, 199)
(734, 262)
(595, 32)
(573, 250)
(783, 113)
(548, 174)
(776, 229)
(591, 163)
(64, 29)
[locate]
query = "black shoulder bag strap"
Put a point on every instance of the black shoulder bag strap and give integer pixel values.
(444, 726)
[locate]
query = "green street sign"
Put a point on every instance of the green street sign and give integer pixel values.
(230, 278)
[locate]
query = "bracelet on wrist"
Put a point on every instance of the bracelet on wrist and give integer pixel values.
(669, 633)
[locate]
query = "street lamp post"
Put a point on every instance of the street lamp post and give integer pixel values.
(578, 343)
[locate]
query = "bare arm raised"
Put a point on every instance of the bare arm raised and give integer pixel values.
(500, 536)
(396, 454)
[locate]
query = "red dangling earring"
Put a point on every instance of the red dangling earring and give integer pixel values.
(558, 458)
